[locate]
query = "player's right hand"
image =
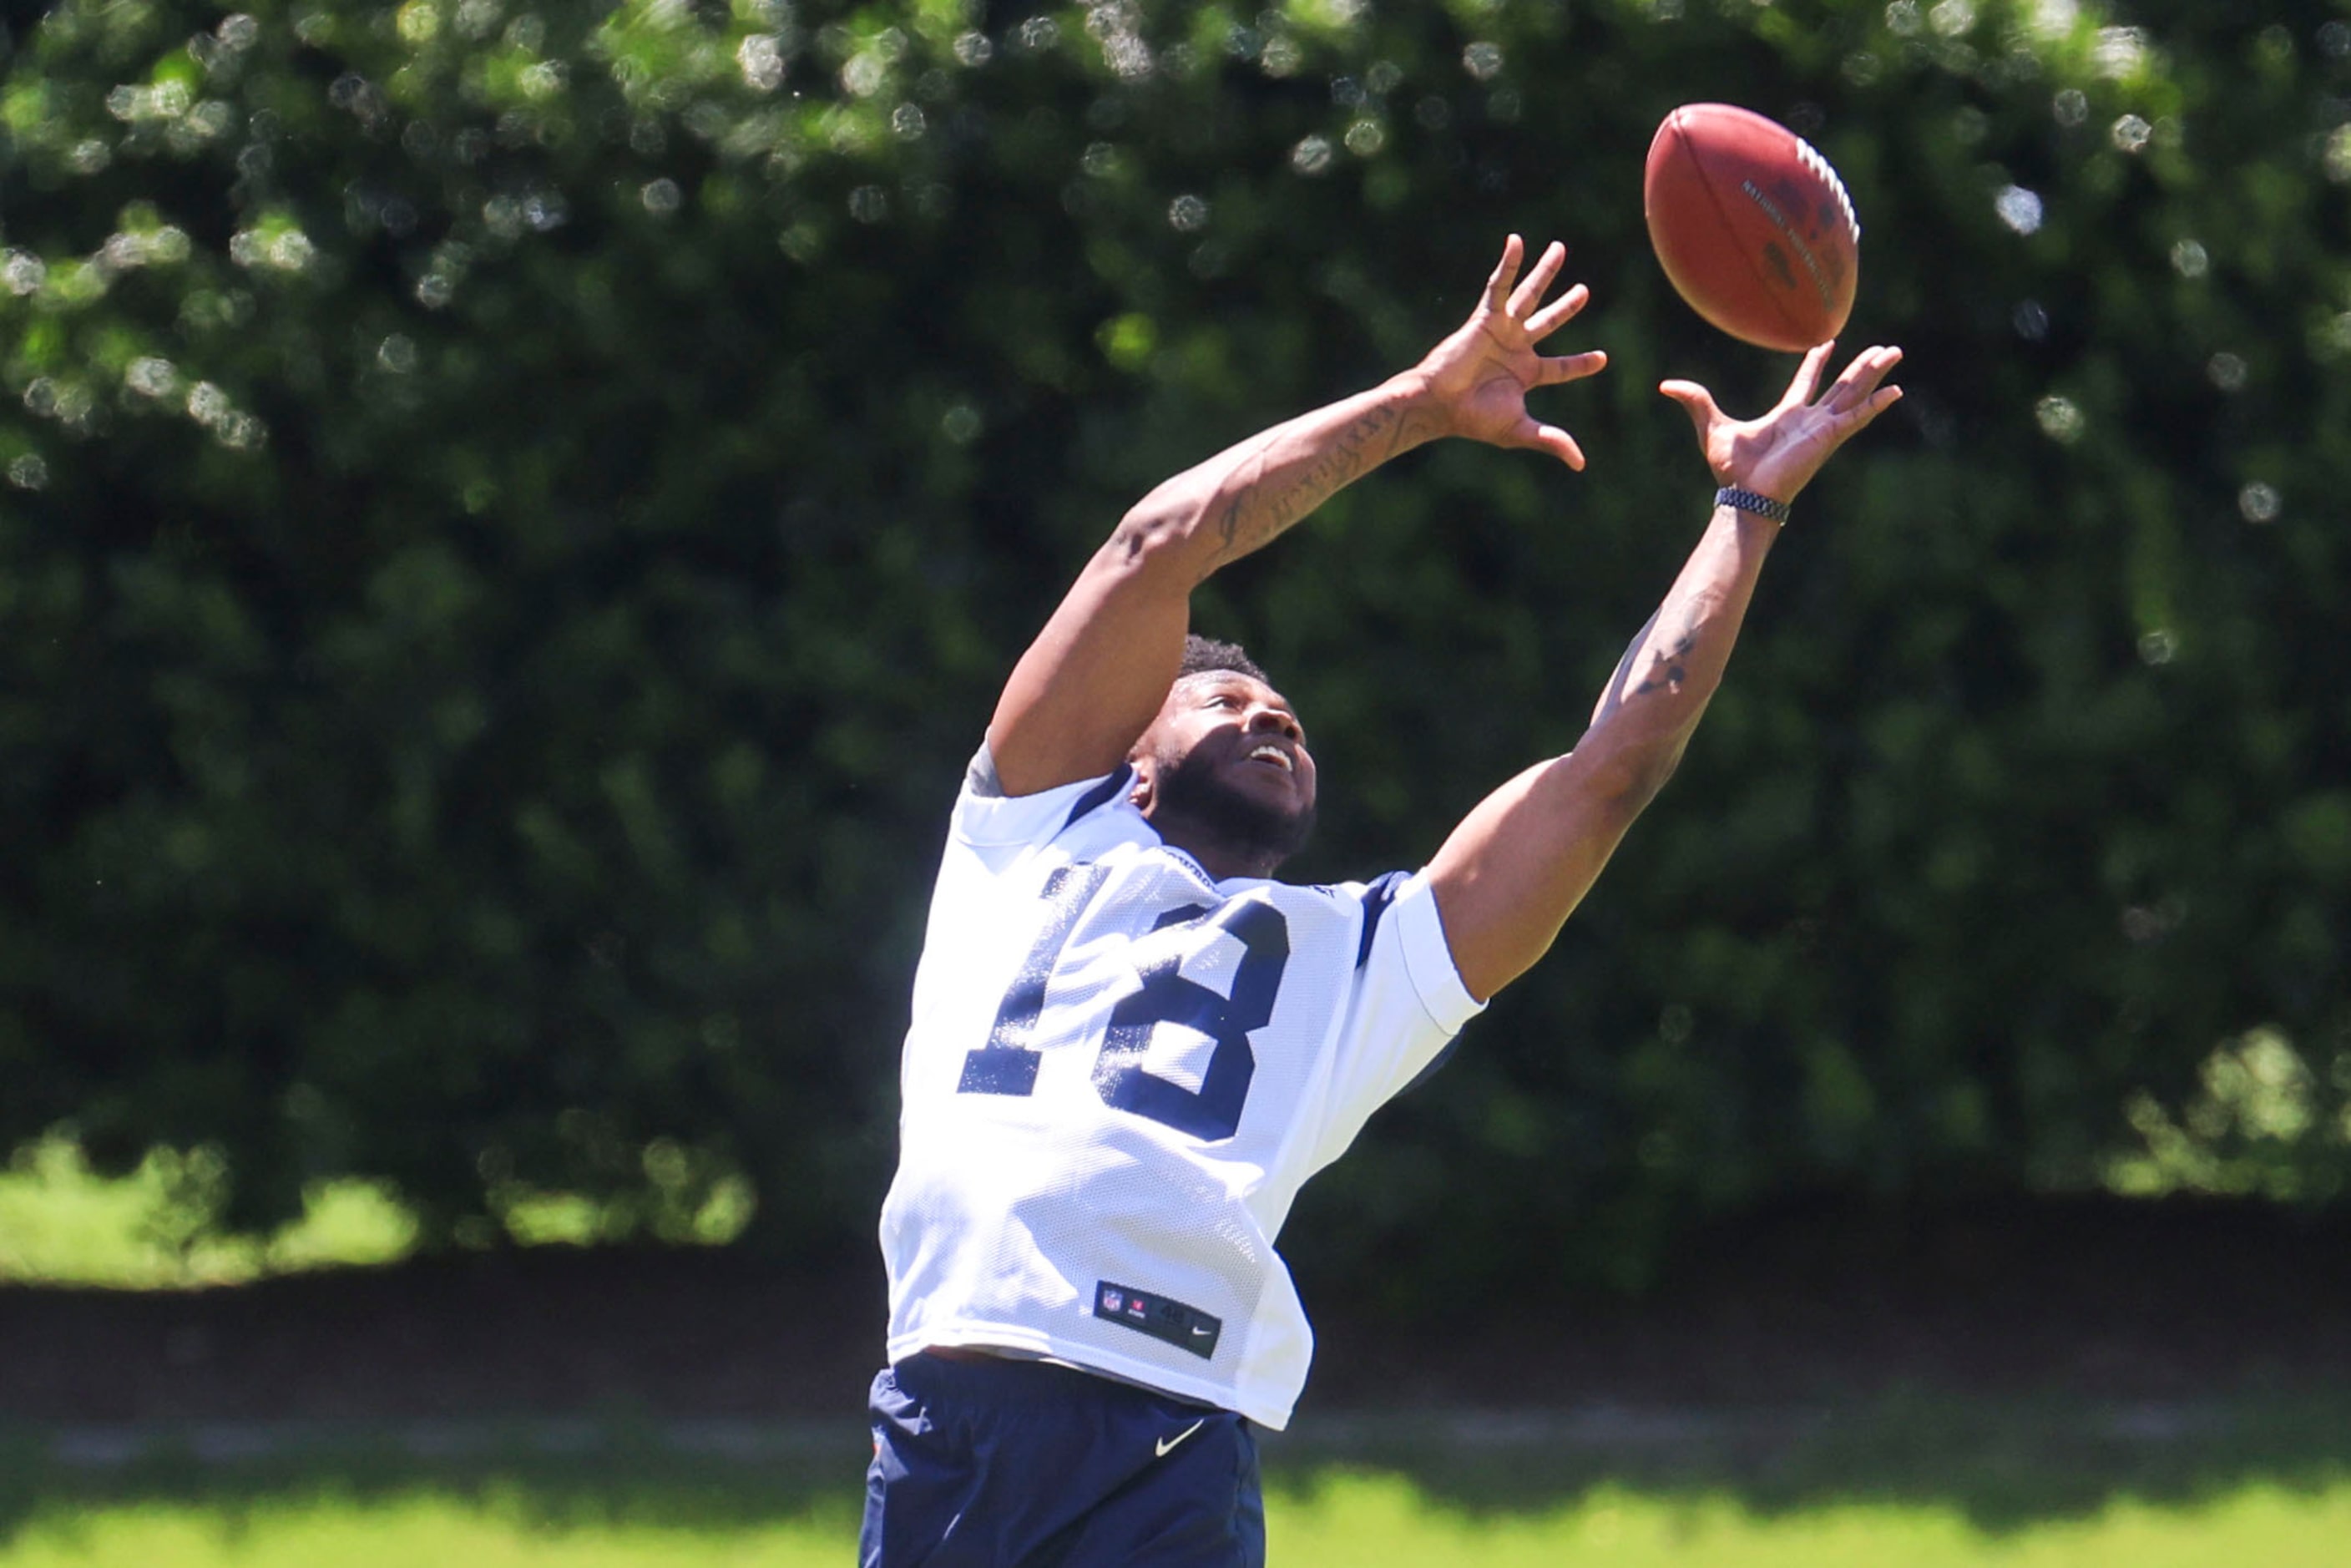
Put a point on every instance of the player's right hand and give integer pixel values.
(1778, 453)
(1477, 379)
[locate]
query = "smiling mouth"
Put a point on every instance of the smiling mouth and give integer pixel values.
(1273, 755)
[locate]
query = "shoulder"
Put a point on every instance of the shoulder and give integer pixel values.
(1369, 900)
(1399, 941)
(1330, 928)
(985, 817)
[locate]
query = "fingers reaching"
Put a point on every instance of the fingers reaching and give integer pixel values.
(1696, 402)
(1778, 453)
(1872, 403)
(1479, 375)
(1521, 299)
(1557, 314)
(1551, 438)
(1573, 367)
(1859, 386)
(1806, 383)
(1497, 286)
(1528, 295)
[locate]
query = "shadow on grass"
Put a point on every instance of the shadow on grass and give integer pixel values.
(2002, 1465)
(624, 1478)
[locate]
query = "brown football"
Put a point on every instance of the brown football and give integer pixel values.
(1752, 227)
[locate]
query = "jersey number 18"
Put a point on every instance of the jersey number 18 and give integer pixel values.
(1007, 1063)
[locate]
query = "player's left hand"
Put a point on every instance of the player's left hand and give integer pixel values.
(1778, 454)
(1478, 377)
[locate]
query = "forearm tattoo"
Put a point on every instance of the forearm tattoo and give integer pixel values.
(1671, 668)
(1268, 506)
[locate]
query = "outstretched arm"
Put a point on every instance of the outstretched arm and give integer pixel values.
(1098, 672)
(1517, 866)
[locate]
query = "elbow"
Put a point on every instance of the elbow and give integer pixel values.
(1145, 534)
(1636, 774)
(1154, 538)
(1654, 769)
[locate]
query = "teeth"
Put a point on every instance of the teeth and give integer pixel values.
(1272, 754)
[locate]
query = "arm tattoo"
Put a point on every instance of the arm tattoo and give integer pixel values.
(1672, 668)
(1262, 511)
(1669, 672)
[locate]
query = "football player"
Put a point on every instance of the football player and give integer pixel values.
(1131, 1046)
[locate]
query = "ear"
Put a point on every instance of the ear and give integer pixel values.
(1144, 789)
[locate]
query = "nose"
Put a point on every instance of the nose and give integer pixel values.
(1264, 717)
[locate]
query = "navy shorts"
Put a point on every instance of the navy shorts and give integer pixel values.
(989, 1462)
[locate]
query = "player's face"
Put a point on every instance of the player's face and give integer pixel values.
(1227, 756)
(1242, 733)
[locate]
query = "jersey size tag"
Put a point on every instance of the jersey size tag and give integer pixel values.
(1185, 1328)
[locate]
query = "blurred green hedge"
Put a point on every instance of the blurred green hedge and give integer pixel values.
(515, 519)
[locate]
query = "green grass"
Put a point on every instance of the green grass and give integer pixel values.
(1910, 1484)
(408, 1533)
(1377, 1518)
(1362, 1519)
(1982, 1485)
(61, 1223)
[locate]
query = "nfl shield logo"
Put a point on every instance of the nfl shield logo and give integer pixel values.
(1110, 1302)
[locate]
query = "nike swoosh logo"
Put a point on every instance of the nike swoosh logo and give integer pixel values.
(1167, 1445)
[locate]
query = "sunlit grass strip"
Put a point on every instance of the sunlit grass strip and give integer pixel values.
(1356, 1517)
(501, 1531)
(62, 1224)
(1361, 1520)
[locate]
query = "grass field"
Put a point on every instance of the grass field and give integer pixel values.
(1332, 1516)
(1935, 1485)
(2261, 1478)
(62, 1225)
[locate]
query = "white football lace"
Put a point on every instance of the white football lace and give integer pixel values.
(1820, 165)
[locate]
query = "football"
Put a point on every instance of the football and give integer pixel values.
(1752, 227)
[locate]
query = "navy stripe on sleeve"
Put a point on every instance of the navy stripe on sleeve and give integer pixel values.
(1099, 795)
(1376, 899)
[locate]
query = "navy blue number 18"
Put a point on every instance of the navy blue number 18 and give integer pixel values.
(1007, 1063)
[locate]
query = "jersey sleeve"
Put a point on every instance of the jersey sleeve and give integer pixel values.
(1407, 1004)
(986, 818)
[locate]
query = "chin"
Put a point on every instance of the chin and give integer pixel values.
(1261, 821)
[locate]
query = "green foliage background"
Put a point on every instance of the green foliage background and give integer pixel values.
(514, 520)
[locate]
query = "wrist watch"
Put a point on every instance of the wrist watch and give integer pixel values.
(1748, 501)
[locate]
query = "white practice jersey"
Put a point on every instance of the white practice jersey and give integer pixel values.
(1118, 1076)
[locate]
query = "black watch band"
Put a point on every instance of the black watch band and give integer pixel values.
(1748, 501)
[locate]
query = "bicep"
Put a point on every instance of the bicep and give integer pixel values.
(1510, 874)
(1095, 676)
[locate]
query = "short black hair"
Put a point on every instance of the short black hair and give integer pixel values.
(1202, 654)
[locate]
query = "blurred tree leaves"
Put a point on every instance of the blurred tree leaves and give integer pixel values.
(513, 520)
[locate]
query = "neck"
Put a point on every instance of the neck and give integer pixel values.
(1219, 858)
